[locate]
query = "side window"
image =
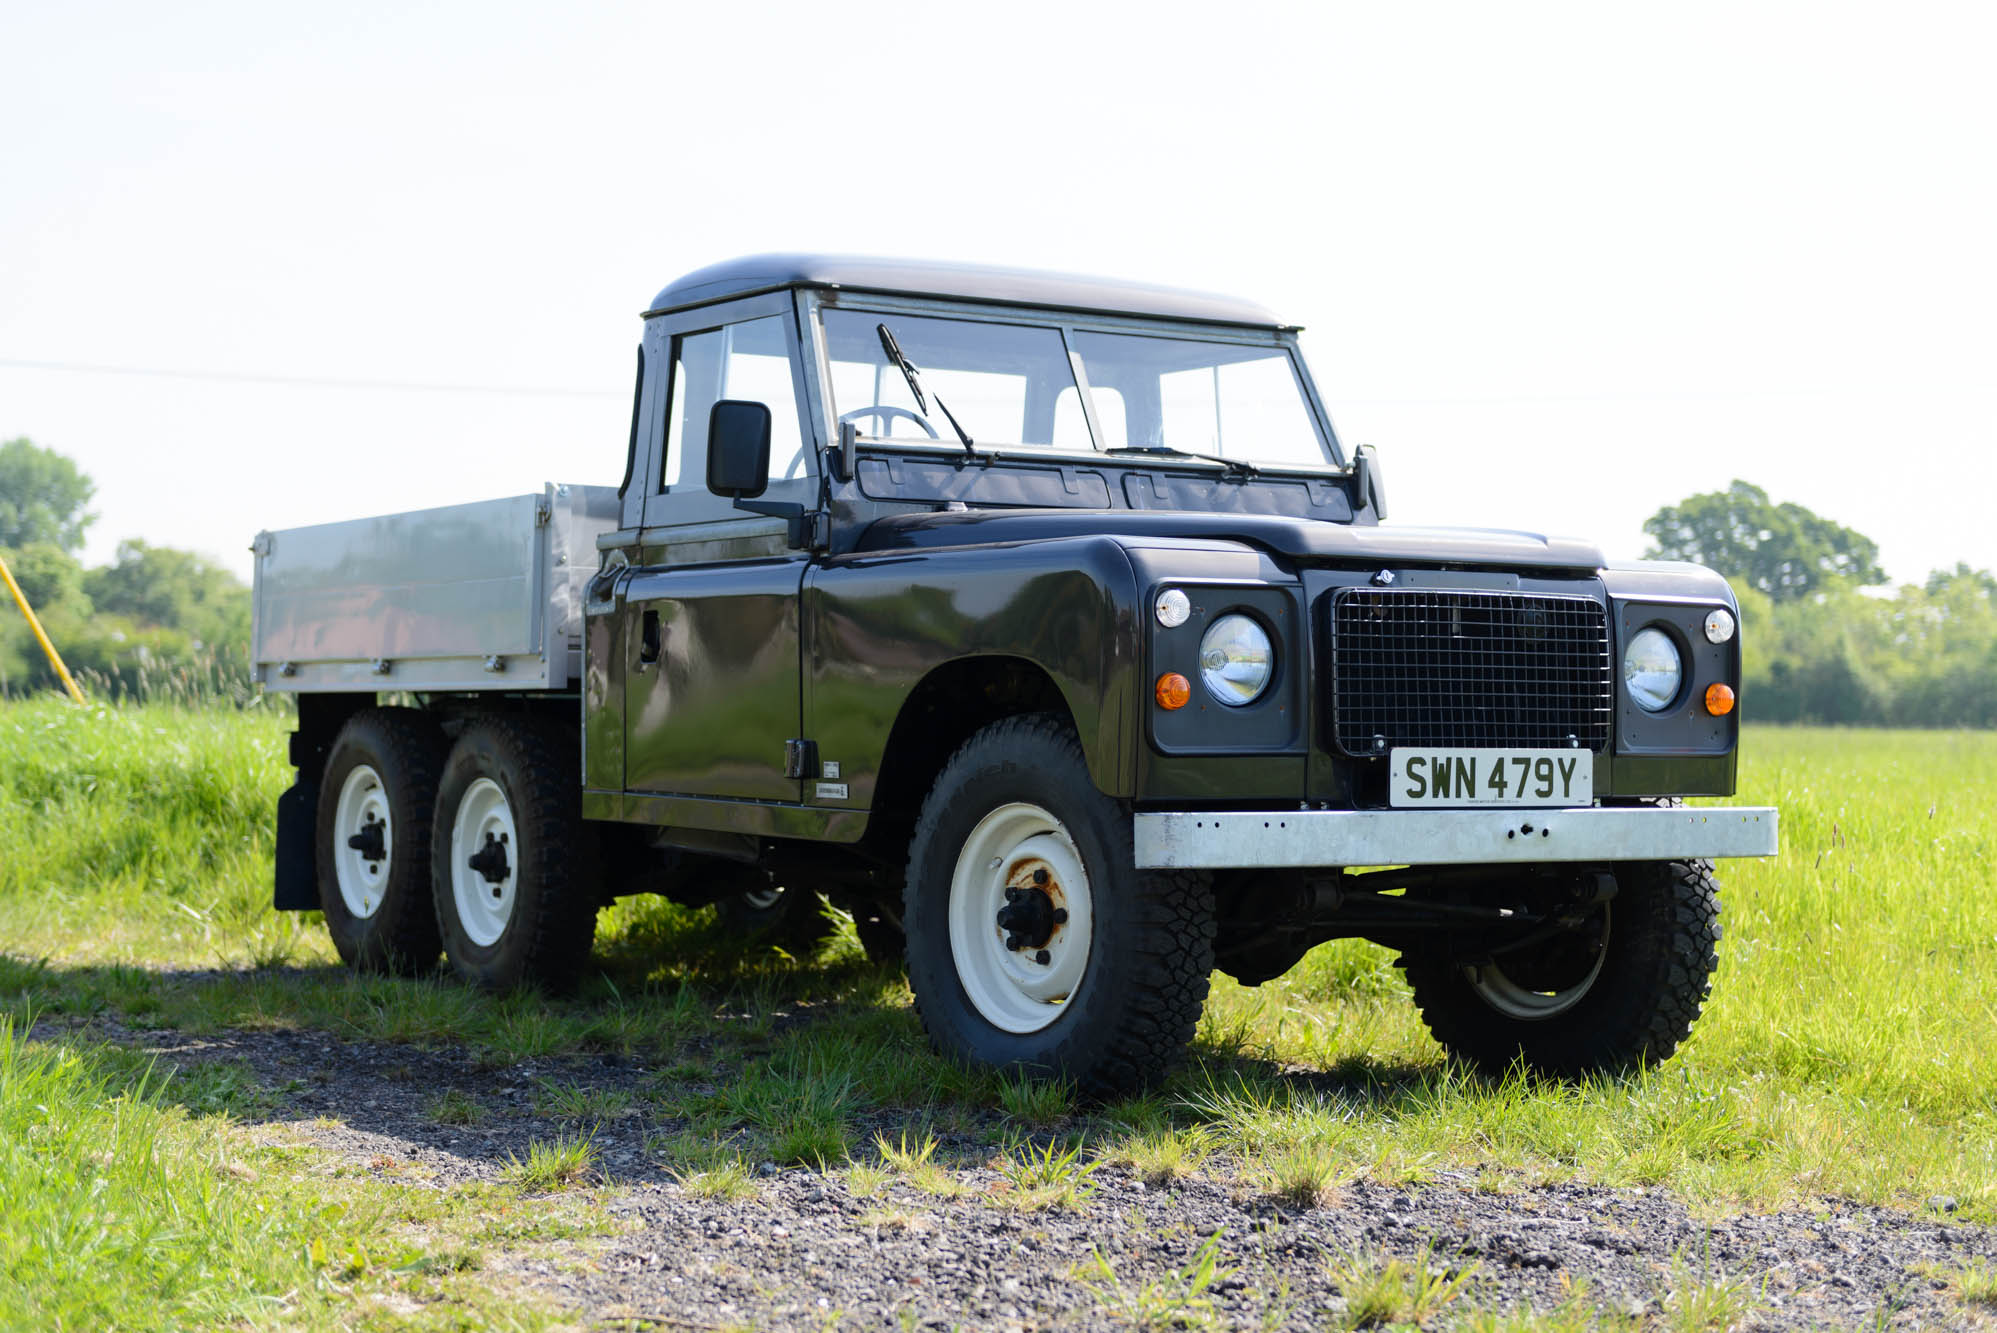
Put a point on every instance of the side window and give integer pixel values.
(751, 361)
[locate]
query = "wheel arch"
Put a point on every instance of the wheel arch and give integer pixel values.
(946, 708)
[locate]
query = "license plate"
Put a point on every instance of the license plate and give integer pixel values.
(1491, 777)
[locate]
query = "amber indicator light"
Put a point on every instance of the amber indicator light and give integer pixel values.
(1174, 691)
(1719, 700)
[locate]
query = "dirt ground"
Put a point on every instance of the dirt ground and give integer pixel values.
(806, 1252)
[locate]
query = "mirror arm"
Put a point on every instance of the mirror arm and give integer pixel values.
(805, 527)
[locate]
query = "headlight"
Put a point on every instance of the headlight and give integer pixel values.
(1652, 670)
(1236, 660)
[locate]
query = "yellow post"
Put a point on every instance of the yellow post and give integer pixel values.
(41, 636)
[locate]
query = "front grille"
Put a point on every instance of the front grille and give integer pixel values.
(1441, 668)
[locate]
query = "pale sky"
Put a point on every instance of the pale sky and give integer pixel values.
(1562, 264)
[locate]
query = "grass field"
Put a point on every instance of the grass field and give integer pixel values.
(1845, 1052)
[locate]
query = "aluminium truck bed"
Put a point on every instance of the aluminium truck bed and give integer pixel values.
(483, 596)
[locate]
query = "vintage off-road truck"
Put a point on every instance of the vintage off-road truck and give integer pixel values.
(1045, 625)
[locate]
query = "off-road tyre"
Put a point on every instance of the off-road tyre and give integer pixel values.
(540, 935)
(1664, 931)
(1149, 955)
(383, 764)
(793, 920)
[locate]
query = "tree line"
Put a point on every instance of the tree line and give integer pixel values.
(1821, 640)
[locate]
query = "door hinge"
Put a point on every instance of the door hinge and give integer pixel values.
(800, 759)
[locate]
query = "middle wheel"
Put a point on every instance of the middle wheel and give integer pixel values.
(1033, 941)
(510, 862)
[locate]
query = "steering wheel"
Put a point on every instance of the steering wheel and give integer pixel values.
(888, 412)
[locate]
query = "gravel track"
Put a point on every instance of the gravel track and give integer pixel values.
(806, 1252)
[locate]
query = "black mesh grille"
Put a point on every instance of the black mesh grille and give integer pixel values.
(1420, 667)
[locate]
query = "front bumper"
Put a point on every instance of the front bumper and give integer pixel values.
(1216, 840)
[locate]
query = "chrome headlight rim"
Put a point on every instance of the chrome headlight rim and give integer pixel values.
(1237, 659)
(1644, 669)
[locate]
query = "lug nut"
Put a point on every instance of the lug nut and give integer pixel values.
(1041, 958)
(1060, 916)
(1040, 877)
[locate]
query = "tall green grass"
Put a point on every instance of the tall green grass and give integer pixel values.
(119, 1212)
(140, 834)
(1846, 1049)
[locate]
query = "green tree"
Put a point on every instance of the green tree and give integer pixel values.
(172, 589)
(1783, 550)
(51, 577)
(42, 497)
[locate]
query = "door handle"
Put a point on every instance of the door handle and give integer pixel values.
(648, 639)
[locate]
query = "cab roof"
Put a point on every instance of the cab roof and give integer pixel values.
(966, 282)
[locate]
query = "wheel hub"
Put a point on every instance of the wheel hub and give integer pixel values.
(484, 880)
(1020, 917)
(362, 841)
(490, 860)
(370, 842)
(1031, 913)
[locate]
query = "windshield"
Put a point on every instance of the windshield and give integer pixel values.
(1014, 384)
(1004, 382)
(1234, 400)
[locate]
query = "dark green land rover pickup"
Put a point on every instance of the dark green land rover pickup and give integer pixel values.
(1044, 625)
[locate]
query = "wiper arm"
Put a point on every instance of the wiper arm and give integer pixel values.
(1233, 467)
(903, 364)
(914, 378)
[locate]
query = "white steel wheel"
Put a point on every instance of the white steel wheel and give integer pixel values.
(762, 900)
(363, 841)
(484, 869)
(1020, 917)
(1540, 997)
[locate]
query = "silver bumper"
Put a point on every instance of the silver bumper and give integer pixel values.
(1239, 840)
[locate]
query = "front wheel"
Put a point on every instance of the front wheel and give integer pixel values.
(1619, 991)
(511, 864)
(1033, 942)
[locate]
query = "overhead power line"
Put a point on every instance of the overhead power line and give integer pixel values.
(302, 381)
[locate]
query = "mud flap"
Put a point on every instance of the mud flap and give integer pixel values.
(297, 865)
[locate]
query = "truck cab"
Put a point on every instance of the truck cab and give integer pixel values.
(1046, 625)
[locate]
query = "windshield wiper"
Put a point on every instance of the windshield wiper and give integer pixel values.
(914, 378)
(1233, 467)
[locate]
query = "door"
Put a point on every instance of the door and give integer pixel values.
(712, 684)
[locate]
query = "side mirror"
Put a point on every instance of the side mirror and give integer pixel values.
(738, 449)
(1368, 491)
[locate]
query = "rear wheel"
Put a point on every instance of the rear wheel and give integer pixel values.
(1620, 990)
(511, 867)
(791, 919)
(373, 840)
(1033, 942)
(881, 936)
